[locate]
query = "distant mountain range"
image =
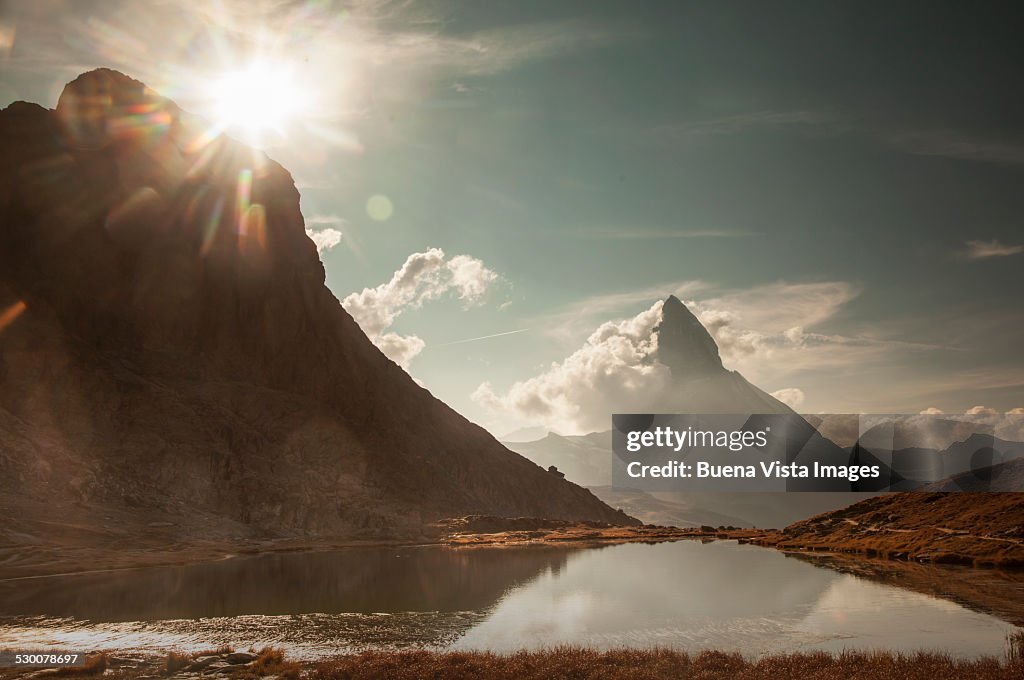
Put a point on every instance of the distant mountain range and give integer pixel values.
(168, 347)
(703, 385)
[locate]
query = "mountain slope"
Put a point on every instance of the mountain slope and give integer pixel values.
(167, 343)
(702, 383)
(959, 528)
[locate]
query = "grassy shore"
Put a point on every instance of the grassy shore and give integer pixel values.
(969, 529)
(561, 662)
(657, 664)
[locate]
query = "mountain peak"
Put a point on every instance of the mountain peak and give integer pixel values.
(684, 345)
(197, 360)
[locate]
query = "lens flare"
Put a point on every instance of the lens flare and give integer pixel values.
(258, 99)
(9, 314)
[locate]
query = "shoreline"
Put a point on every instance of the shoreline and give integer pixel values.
(59, 561)
(560, 661)
(71, 562)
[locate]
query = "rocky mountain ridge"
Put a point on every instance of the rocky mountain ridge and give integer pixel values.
(167, 343)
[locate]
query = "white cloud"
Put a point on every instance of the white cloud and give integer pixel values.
(979, 250)
(778, 307)
(401, 349)
(614, 366)
(325, 239)
(574, 322)
(792, 397)
(470, 278)
(1009, 425)
(422, 277)
(333, 220)
(931, 411)
(763, 332)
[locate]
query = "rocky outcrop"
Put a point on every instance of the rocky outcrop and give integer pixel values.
(684, 345)
(167, 343)
(701, 384)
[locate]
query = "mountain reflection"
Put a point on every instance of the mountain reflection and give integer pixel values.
(352, 581)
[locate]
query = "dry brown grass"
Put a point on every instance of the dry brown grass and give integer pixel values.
(271, 661)
(1015, 646)
(585, 664)
(175, 662)
(218, 651)
(94, 665)
(974, 529)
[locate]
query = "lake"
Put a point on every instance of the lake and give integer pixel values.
(686, 595)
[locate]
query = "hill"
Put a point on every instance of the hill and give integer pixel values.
(169, 350)
(979, 529)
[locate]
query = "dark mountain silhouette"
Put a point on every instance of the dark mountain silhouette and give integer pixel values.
(919, 466)
(902, 432)
(1006, 476)
(701, 383)
(684, 345)
(167, 344)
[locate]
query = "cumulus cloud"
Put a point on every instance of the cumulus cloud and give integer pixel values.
(1008, 425)
(325, 239)
(614, 366)
(931, 411)
(979, 250)
(422, 277)
(400, 348)
(792, 397)
(767, 333)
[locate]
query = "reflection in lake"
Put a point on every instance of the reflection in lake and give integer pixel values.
(685, 595)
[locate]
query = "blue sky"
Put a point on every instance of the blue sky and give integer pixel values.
(834, 189)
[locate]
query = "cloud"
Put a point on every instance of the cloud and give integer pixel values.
(423, 277)
(614, 366)
(325, 239)
(931, 411)
(978, 250)
(333, 220)
(792, 397)
(778, 307)
(574, 322)
(765, 332)
(491, 51)
(959, 145)
(1009, 425)
(642, 233)
(752, 120)
(939, 142)
(470, 278)
(401, 349)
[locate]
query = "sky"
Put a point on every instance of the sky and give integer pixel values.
(502, 192)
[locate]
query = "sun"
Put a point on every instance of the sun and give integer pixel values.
(258, 101)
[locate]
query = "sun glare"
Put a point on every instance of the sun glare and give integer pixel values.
(258, 100)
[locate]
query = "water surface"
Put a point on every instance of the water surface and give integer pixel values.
(685, 595)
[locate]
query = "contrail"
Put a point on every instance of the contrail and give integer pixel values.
(482, 337)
